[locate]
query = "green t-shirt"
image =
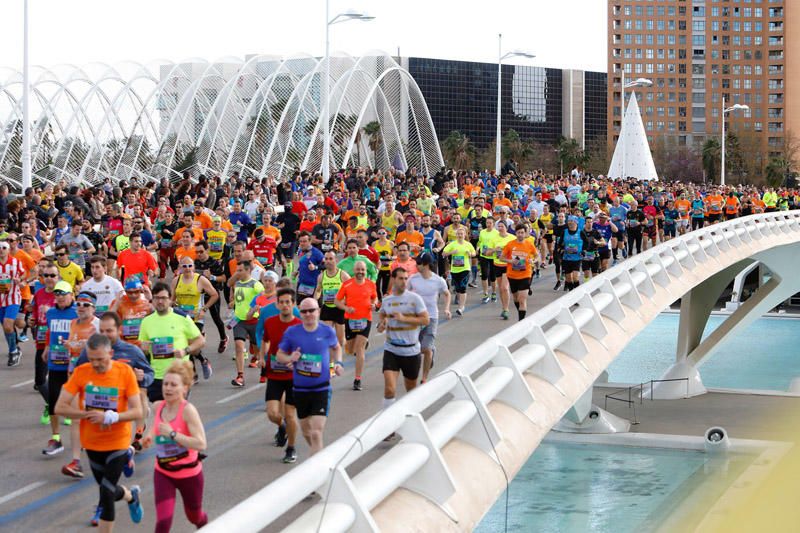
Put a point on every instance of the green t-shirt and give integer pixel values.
(348, 264)
(166, 333)
(499, 243)
(459, 261)
(485, 240)
(243, 294)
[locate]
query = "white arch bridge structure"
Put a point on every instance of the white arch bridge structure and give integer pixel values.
(258, 116)
(495, 404)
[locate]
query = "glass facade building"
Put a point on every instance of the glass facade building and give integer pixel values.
(462, 96)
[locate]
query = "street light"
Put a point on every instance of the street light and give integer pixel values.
(27, 180)
(725, 111)
(326, 135)
(639, 82)
(500, 58)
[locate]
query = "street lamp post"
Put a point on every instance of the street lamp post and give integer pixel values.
(27, 180)
(500, 58)
(725, 111)
(640, 82)
(326, 134)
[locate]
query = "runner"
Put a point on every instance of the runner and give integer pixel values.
(485, 253)
(357, 297)
(520, 256)
(165, 335)
(194, 296)
(12, 278)
(385, 249)
(136, 262)
(179, 437)
(278, 396)
(328, 286)
(67, 270)
(429, 286)
(312, 349)
(213, 270)
(308, 266)
(58, 320)
(402, 316)
(352, 256)
(108, 397)
(108, 290)
(245, 288)
(460, 253)
(132, 307)
(572, 242)
(499, 266)
(43, 300)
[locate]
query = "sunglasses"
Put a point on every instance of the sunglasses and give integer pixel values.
(307, 311)
(49, 275)
(61, 293)
(62, 254)
(246, 263)
(84, 304)
(187, 266)
(134, 291)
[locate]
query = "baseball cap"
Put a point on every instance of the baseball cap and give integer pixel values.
(425, 258)
(63, 286)
(133, 284)
(86, 296)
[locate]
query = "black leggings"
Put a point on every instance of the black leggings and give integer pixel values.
(215, 316)
(634, 239)
(697, 223)
(383, 282)
(40, 375)
(107, 469)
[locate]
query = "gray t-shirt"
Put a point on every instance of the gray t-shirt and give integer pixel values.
(76, 246)
(429, 289)
(402, 338)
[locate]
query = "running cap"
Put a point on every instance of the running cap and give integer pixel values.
(63, 287)
(86, 296)
(271, 274)
(133, 284)
(425, 258)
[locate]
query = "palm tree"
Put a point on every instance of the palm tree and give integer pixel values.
(570, 153)
(459, 150)
(712, 154)
(777, 170)
(513, 147)
(373, 132)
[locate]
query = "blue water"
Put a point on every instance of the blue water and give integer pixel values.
(568, 488)
(764, 355)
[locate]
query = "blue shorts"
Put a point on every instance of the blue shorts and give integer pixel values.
(9, 312)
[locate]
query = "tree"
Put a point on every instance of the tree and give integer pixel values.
(712, 155)
(597, 161)
(513, 147)
(375, 139)
(570, 153)
(459, 150)
(777, 170)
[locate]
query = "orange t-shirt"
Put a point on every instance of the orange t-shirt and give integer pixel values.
(683, 207)
(714, 204)
(107, 391)
(203, 221)
(181, 252)
(79, 334)
(413, 238)
(502, 201)
(132, 314)
(359, 297)
(522, 255)
(28, 264)
(270, 231)
(197, 233)
(136, 264)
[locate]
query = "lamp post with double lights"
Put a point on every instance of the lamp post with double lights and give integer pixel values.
(326, 134)
(500, 58)
(639, 82)
(725, 111)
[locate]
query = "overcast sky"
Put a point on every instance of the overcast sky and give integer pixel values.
(562, 33)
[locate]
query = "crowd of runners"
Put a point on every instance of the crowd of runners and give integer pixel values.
(115, 285)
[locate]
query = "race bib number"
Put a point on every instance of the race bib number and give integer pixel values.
(186, 308)
(309, 365)
(357, 325)
(458, 261)
(633, 223)
(130, 328)
(168, 451)
(385, 259)
(518, 262)
(277, 366)
(305, 290)
(328, 296)
(5, 285)
(59, 354)
(41, 333)
(215, 246)
(162, 347)
(101, 398)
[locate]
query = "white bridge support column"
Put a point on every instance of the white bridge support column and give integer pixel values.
(586, 417)
(696, 307)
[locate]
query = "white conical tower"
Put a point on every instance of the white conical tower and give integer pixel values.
(638, 161)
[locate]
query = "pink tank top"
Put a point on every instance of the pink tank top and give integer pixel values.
(172, 459)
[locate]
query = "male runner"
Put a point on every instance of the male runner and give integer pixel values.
(357, 297)
(429, 286)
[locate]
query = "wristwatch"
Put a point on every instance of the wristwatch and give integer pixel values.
(173, 434)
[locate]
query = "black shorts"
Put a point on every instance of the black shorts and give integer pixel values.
(331, 314)
(651, 231)
(409, 365)
(604, 253)
(570, 266)
(460, 281)
(276, 388)
(350, 334)
(243, 331)
(670, 231)
(519, 285)
(55, 380)
(714, 217)
(548, 237)
(619, 235)
(312, 403)
(487, 270)
(499, 271)
(592, 265)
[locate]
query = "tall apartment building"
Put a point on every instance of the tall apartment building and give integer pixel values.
(697, 52)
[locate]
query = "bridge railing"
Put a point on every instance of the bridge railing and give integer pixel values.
(492, 371)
